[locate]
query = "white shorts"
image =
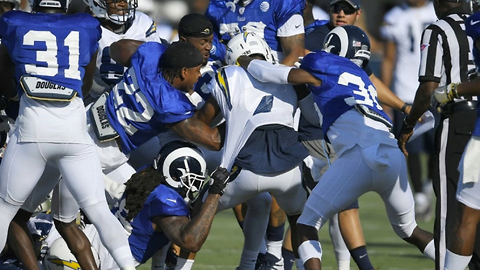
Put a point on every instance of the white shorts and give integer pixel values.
(24, 164)
(379, 168)
(468, 190)
(286, 187)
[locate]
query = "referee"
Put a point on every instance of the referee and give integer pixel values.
(445, 58)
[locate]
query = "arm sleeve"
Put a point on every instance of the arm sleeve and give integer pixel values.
(267, 72)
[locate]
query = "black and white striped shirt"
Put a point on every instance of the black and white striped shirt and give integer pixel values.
(446, 51)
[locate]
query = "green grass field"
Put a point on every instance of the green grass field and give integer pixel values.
(387, 251)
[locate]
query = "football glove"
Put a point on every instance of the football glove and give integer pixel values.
(446, 93)
(220, 178)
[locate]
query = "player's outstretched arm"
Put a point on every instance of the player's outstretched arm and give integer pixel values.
(387, 97)
(191, 234)
(194, 130)
(121, 51)
(267, 72)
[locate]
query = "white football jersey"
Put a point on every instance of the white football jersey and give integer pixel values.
(108, 72)
(403, 25)
(247, 104)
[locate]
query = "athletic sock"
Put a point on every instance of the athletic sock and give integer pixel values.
(360, 256)
(455, 261)
(275, 240)
(248, 259)
(288, 258)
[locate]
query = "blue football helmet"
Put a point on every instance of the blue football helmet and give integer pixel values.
(184, 168)
(61, 4)
(349, 41)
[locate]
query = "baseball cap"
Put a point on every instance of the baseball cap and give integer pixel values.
(195, 25)
(354, 3)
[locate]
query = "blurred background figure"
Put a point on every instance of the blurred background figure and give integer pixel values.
(402, 30)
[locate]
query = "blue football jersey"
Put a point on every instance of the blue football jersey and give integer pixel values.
(53, 47)
(473, 30)
(344, 85)
(263, 17)
(144, 241)
(143, 103)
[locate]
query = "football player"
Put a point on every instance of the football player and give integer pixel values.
(53, 66)
(372, 162)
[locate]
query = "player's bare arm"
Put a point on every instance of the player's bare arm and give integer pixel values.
(196, 131)
(189, 234)
(121, 51)
(208, 111)
(89, 74)
(7, 72)
(293, 47)
(386, 96)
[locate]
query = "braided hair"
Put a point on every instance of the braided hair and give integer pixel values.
(139, 187)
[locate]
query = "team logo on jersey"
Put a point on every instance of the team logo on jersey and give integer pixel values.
(231, 5)
(264, 6)
(223, 83)
(152, 29)
(241, 10)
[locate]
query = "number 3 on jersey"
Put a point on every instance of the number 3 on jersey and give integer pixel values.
(53, 53)
(369, 94)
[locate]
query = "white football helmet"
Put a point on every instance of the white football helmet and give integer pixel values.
(247, 43)
(100, 8)
(59, 257)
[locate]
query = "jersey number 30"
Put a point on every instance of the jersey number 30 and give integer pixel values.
(51, 53)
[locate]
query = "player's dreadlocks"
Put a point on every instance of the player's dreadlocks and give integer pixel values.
(139, 187)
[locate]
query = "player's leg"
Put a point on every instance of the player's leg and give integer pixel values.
(19, 236)
(65, 210)
(17, 181)
(393, 187)
(347, 179)
(464, 230)
(81, 172)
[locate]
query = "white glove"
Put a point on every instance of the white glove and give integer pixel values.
(446, 93)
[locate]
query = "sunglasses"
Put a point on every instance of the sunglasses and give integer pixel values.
(347, 9)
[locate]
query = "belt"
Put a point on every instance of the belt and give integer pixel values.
(451, 108)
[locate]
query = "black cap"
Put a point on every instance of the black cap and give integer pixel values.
(181, 55)
(195, 25)
(354, 3)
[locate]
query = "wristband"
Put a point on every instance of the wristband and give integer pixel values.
(404, 108)
(407, 128)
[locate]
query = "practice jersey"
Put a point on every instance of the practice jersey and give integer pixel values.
(344, 85)
(403, 25)
(144, 241)
(248, 104)
(141, 105)
(267, 18)
(473, 31)
(143, 28)
(53, 47)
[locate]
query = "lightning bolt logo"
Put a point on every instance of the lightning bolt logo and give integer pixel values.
(70, 264)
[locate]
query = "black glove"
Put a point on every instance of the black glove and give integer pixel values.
(220, 178)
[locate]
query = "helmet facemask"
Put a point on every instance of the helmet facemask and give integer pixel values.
(128, 13)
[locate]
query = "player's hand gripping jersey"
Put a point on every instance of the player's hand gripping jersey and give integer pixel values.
(39, 46)
(143, 103)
